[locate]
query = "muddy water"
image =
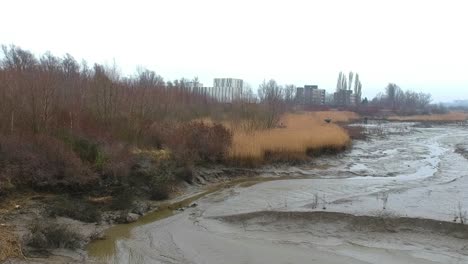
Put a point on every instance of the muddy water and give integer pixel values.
(364, 208)
(103, 250)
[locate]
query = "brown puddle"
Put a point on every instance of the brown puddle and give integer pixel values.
(105, 248)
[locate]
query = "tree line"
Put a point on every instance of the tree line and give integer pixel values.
(47, 93)
(406, 102)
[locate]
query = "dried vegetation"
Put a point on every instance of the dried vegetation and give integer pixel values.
(297, 137)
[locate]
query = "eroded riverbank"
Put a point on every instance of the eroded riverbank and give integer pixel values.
(106, 248)
(414, 174)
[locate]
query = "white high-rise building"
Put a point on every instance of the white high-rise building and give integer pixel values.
(227, 89)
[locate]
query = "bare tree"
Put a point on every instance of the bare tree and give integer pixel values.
(248, 94)
(357, 88)
(289, 94)
(339, 85)
(272, 97)
(351, 75)
(403, 102)
(391, 94)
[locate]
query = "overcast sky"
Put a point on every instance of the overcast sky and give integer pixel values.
(419, 45)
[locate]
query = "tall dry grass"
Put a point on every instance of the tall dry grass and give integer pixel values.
(299, 136)
(449, 117)
(335, 116)
(250, 125)
(10, 246)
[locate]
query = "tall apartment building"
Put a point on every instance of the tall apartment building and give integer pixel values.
(197, 88)
(193, 85)
(353, 99)
(226, 89)
(344, 98)
(300, 95)
(310, 95)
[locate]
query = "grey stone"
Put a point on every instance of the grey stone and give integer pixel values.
(131, 217)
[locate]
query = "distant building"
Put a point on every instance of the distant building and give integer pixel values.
(352, 99)
(227, 89)
(344, 98)
(300, 95)
(192, 85)
(201, 90)
(196, 88)
(318, 97)
(310, 95)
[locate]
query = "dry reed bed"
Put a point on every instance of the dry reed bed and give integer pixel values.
(300, 135)
(335, 116)
(10, 246)
(449, 117)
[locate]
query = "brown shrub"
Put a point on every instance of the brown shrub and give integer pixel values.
(10, 246)
(153, 176)
(355, 132)
(74, 208)
(41, 162)
(52, 235)
(118, 163)
(198, 141)
(155, 135)
(184, 173)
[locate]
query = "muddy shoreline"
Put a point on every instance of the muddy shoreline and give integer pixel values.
(399, 198)
(206, 181)
(219, 179)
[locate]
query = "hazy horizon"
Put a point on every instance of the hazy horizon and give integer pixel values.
(419, 45)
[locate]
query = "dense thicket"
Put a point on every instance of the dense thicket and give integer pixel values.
(47, 94)
(65, 124)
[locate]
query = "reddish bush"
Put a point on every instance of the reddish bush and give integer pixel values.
(157, 133)
(41, 162)
(118, 162)
(355, 132)
(197, 141)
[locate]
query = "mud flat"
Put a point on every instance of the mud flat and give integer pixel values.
(398, 198)
(298, 237)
